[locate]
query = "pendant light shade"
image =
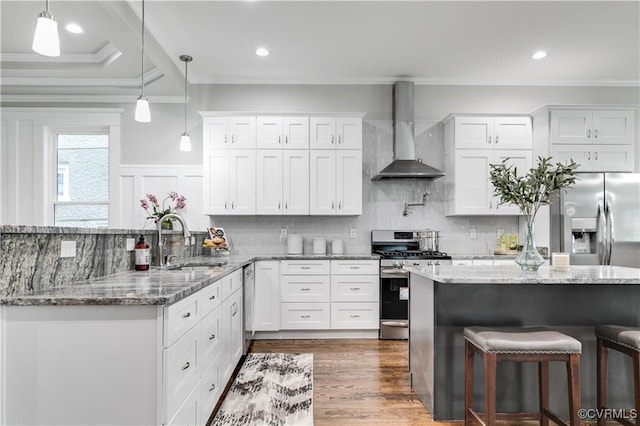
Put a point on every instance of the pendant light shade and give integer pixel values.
(45, 39)
(185, 140)
(143, 114)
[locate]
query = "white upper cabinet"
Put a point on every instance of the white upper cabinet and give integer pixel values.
(275, 132)
(269, 182)
(349, 182)
(322, 182)
(282, 182)
(230, 182)
(478, 132)
(229, 132)
(614, 127)
(595, 158)
(335, 182)
(335, 133)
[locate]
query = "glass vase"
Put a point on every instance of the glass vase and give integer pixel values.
(167, 225)
(529, 259)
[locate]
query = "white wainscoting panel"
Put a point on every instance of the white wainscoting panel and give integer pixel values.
(136, 181)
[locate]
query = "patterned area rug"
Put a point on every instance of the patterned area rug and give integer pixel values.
(270, 389)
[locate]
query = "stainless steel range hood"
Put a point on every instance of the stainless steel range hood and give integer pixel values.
(405, 165)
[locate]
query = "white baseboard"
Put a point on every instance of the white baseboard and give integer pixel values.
(316, 334)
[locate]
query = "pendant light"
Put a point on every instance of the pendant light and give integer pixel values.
(45, 38)
(185, 140)
(142, 105)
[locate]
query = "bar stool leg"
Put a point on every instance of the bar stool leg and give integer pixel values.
(573, 377)
(636, 382)
(543, 391)
(601, 361)
(490, 361)
(468, 382)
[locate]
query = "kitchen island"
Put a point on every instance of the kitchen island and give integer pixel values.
(445, 299)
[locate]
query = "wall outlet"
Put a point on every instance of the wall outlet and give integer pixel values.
(67, 249)
(187, 241)
(131, 244)
(193, 240)
(473, 234)
(352, 233)
(283, 234)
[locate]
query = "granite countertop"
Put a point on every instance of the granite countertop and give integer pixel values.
(511, 274)
(157, 286)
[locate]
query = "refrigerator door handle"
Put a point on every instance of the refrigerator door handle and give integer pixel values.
(601, 234)
(609, 232)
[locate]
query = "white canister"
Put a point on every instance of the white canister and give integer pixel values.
(294, 244)
(337, 247)
(319, 245)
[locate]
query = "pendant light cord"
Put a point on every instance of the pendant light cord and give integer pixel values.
(46, 5)
(142, 60)
(185, 96)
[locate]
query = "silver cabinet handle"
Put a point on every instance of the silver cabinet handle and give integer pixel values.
(339, 205)
(225, 205)
(286, 205)
(233, 138)
(213, 386)
(213, 336)
(496, 139)
(233, 205)
(212, 297)
(595, 155)
(305, 267)
(490, 205)
(589, 133)
(286, 139)
(354, 288)
(278, 205)
(489, 139)
(339, 138)
(588, 156)
(225, 138)
(354, 267)
(333, 205)
(187, 315)
(332, 139)
(187, 365)
(278, 139)
(305, 289)
(305, 316)
(595, 134)
(355, 316)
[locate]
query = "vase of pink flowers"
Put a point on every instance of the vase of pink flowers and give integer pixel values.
(156, 210)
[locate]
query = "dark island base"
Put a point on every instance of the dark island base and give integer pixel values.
(438, 376)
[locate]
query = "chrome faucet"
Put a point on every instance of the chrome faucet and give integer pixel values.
(185, 232)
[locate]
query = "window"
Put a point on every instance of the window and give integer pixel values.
(82, 188)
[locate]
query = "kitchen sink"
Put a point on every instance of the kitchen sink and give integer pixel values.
(195, 266)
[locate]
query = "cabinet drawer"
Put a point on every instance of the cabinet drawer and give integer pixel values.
(231, 283)
(304, 267)
(355, 316)
(188, 413)
(210, 297)
(179, 318)
(355, 267)
(305, 316)
(209, 390)
(465, 262)
(180, 366)
(353, 288)
(305, 288)
(209, 338)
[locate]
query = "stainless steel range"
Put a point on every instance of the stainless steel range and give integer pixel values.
(397, 249)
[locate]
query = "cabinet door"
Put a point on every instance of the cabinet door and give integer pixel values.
(242, 189)
(322, 133)
(349, 182)
(512, 133)
(295, 182)
(296, 132)
(269, 131)
(571, 127)
(473, 189)
(613, 127)
(269, 182)
(349, 132)
(581, 154)
(216, 182)
(612, 158)
(267, 298)
(215, 132)
(523, 161)
(473, 132)
(236, 332)
(242, 132)
(322, 182)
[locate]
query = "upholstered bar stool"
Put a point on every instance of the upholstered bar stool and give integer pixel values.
(627, 341)
(522, 344)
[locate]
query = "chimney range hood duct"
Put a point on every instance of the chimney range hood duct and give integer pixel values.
(405, 165)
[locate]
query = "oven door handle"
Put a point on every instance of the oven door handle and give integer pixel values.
(395, 324)
(393, 272)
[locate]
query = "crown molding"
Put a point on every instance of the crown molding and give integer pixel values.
(150, 76)
(102, 99)
(102, 58)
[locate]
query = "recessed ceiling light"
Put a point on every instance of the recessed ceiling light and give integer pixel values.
(74, 28)
(539, 54)
(262, 52)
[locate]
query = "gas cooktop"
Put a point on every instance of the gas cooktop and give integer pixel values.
(412, 254)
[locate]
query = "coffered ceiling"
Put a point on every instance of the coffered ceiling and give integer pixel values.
(317, 42)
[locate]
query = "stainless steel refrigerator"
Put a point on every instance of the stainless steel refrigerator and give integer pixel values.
(597, 221)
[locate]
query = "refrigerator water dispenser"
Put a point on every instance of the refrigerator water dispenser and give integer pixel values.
(583, 235)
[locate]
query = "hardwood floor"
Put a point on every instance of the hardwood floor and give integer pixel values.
(358, 381)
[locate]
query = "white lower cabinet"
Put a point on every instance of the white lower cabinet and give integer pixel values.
(305, 316)
(267, 295)
(355, 315)
(142, 364)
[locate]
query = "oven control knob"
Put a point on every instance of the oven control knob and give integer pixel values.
(429, 263)
(397, 264)
(416, 263)
(437, 263)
